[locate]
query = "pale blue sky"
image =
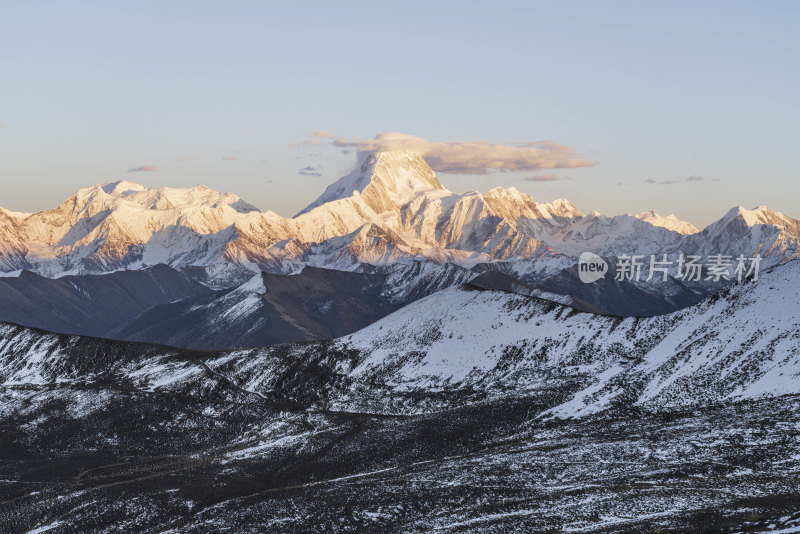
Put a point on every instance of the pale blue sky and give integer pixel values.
(649, 90)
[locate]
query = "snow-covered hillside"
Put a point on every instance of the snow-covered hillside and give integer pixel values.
(741, 344)
(469, 410)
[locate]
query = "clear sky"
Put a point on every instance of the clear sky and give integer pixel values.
(216, 92)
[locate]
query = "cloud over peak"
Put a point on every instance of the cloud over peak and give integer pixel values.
(465, 157)
(475, 157)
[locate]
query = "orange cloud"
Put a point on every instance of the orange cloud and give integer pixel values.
(474, 157)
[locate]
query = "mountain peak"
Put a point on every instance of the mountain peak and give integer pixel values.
(114, 194)
(758, 215)
(385, 180)
(750, 217)
(670, 222)
(120, 187)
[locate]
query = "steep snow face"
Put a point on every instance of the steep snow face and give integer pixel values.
(398, 193)
(527, 215)
(385, 180)
(12, 247)
(742, 344)
(670, 222)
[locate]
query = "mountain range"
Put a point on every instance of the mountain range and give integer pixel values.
(391, 207)
(394, 358)
(215, 272)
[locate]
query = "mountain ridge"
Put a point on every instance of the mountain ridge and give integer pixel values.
(391, 207)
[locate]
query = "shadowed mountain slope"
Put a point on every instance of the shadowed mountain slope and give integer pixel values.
(312, 305)
(91, 305)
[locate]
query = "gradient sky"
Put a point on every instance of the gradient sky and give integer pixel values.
(650, 91)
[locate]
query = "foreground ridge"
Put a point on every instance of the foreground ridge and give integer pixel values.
(512, 395)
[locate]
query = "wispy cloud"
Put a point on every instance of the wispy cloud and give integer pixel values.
(309, 142)
(474, 157)
(544, 178)
(144, 168)
(187, 158)
(317, 137)
(660, 182)
(692, 178)
(311, 170)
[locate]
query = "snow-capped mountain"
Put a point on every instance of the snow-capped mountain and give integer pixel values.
(611, 236)
(396, 194)
(124, 225)
(385, 181)
(771, 234)
(670, 222)
(392, 207)
(12, 247)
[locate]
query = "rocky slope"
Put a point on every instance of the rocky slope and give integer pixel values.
(469, 410)
(314, 304)
(92, 305)
(270, 309)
